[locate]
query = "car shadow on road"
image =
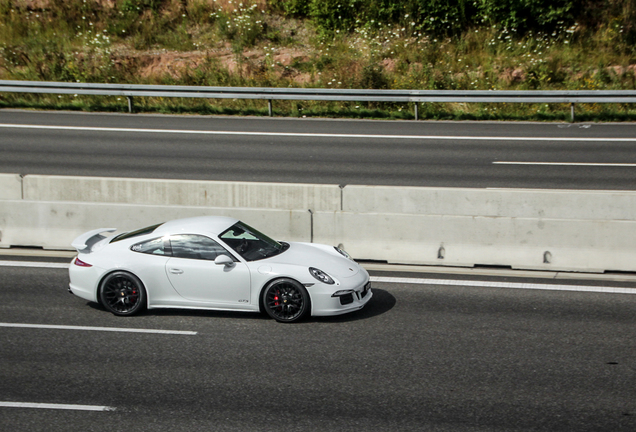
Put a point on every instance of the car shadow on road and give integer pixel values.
(381, 303)
(172, 312)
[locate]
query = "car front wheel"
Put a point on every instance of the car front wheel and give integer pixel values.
(122, 293)
(286, 300)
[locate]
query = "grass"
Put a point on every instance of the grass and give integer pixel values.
(222, 43)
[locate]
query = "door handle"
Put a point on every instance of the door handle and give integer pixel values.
(176, 271)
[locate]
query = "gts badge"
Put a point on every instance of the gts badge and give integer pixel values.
(244, 301)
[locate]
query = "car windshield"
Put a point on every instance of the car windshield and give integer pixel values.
(251, 244)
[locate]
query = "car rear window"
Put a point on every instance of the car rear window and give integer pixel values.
(136, 233)
(152, 247)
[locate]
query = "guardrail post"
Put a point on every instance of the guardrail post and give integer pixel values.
(417, 117)
(572, 111)
(269, 106)
(130, 104)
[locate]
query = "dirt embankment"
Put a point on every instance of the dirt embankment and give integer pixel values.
(161, 63)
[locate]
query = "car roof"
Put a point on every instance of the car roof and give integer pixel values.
(202, 224)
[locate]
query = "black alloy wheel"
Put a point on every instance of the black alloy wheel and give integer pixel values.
(286, 300)
(122, 293)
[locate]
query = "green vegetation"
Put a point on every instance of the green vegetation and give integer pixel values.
(382, 44)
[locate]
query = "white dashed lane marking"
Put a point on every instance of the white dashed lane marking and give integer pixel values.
(55, 406)
(583, 164)
(104, 329)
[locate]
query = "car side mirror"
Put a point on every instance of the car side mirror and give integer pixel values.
(224, 260)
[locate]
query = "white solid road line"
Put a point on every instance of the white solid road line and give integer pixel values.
(315, 135)
(106, 329)
(35, 264)
(55, 406)
(600, 164)
(417, 281)
(511, 285)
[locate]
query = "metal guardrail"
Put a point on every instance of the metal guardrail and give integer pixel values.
(270, 93)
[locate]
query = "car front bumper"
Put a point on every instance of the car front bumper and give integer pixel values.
(342, 301)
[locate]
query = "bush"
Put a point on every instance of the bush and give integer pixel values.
(523, 16)
(439, 17)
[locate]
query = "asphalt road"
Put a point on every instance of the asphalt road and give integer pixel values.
(405, 153)
(418, 358)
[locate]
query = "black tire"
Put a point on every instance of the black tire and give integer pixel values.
(286, 300)
(122, 293)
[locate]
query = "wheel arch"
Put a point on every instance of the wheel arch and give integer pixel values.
(261, 292)
(124, 270)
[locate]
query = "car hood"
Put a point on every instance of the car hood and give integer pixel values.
(322, 257)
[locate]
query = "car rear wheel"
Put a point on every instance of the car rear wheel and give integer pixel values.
(286, 300)
(122, 293)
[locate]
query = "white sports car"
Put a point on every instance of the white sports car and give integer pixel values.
(215, 263)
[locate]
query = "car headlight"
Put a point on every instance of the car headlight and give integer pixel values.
(343, 252)
(321, 276)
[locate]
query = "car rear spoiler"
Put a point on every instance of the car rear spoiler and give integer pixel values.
(85, 242)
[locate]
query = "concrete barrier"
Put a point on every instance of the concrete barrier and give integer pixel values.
(516, 203)
(284, 196)
(54, 225)
(526, 229)
(521, 243)
(10, 186)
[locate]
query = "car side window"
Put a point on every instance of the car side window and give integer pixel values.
(153, 247)
(194, 246)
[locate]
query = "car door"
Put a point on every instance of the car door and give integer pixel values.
(195, 276)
